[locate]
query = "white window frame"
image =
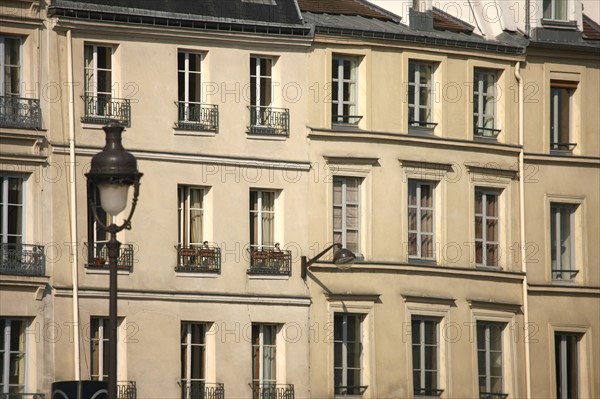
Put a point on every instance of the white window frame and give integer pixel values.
(564, 364)
(4, 208)
(487, 350)
(555, 219)
(261, 245)
(480, 94)
(187, 346)
(343, 205)
(186, 80)
(94, 90)
(184, 211)
(3, 65)
(414, 85)
(553, 10)
(555, 117)
(485, 192)
(421, 344)
(6, 352)
(103, 345)
(344, 342)
(261, 346)
(337, 99)
(419, 209)
(258, 74)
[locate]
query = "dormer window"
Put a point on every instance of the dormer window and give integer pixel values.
(555, 10)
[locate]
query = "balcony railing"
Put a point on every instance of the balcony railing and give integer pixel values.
(490, 395)
(20, 112)
(428, 393)
(198, 258)
(126, 390)
(350, 391)
(14, 395)
(351, 120)
(564, 275)
(101, 109)
(270, 261)
(272, 391)
(269, 121)
(486, 132)
(202, 390)
(197, 116)
(98, 256)
(22, 259)
(563, 147)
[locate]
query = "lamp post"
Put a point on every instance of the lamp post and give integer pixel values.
(343, 259)
(113, 171)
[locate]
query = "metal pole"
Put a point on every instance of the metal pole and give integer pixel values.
(113, 254)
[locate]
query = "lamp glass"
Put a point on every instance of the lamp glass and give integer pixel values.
(343, 259)
(113, 197)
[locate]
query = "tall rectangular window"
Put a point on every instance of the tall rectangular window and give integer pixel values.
(425, 355)
(562, 218)
(262, 219)
(264, 355)
(486, 228)
(193, 359)
(484, 103)
(11, 210)
(344, 87)
(99, 348)
(190, 216)
(420, 90)
(97, 236)
(421, 220)
(98, 79)
(10, 64)
(489, 359)
(261, 86)
(348, 349)
(561, 94)
(13, 359)
(555, 9)
(189, 84)
(346, 212)
(566, 352)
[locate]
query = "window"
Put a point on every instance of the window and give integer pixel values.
(420, 220)
(425, 355)
(13, 359)
(561, 94)
(344, 76)
(10, 62)
(98, 79)
(555, 9)
(193, 359)
(562, 222)
(264, 353)
(346, 212)
(192, 113)
(190, 216)
(11, 210)
(262, 219)
(566, 353)
(348, 348)
(420, 89)
(99, 348)
(489, 360)
(486, 228)
(484, 103)
(97, 236)
(261, 90)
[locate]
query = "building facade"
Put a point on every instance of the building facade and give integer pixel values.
(457, 155)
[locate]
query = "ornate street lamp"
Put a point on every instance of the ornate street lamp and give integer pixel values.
(343, 259)
(113, 172)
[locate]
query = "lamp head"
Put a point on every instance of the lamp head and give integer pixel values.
(343, 259)
(113, 171)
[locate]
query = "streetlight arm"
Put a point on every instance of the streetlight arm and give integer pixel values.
(306, 263)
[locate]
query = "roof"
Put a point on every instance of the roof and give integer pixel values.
(343, 7)
(445, 21)
(263, 11)
(591, 30)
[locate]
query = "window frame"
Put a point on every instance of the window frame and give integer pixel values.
(257, 75)
(103, 346)
(480, 94)
(187, 346)
(553, 4)
(360, 318)
(344, 205)
(261, 244)
(435, 391)
(108, 91)
(184, 210)
(557, 90)
(7, 351)
(485, 192)
(487, 325)
(3, 65)
(4, 208)
(562, 379)
(260, 346)
(555, 221)
(419, 210)
(414, 86)
(337, 96)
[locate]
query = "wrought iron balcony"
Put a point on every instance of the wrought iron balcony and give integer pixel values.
(350, 390)
(20, 112)
(269, 121)
(98, 256)
(272, 391)
(101, 109)
(270, 261)
(202, 390)
(22, 259)
(485, 132)
(198, 258)
(126, 390)
(428, 393)
(351, 120)
(564, 274)
(15, 395)
(197, 116)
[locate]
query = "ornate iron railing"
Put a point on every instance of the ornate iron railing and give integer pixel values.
(270, 261)
(197, 116)
(101, 109)
(272, 391)
(126, 390)
(14, 395)
(352, 120)
(486, 132)
(350, 390)
(22, 259)
(202, 390)
(564, 274)
(200, 258)
(20, 112)
(563, 147)
(98, 256)
(432, 393)
(269, 120)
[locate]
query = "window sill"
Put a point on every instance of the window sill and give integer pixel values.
(561, 153)
(267, 136)
(91, 126)
(268, 277)
(193, 133)
(559, 24)
(197, 274)
(104, 270)
(422, 262)
(492, 268)
(421, 130)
